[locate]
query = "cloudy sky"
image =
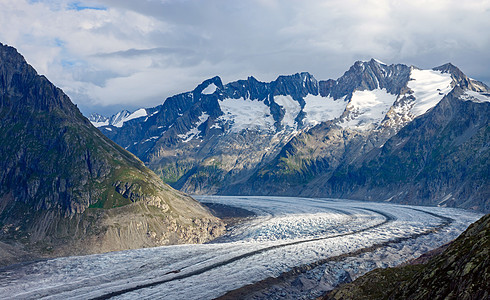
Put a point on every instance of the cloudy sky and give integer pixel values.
(113, 54)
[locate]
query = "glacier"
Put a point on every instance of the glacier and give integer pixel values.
(287, 232)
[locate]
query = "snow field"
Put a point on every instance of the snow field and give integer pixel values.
(246, 114)
(291, 110)
(320, 109)
(429, 88)
(368, 107)
(475, 96)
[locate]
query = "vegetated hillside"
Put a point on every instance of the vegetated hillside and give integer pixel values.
(67, 189)
(462, 271)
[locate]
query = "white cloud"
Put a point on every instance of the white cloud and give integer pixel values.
(136, 53)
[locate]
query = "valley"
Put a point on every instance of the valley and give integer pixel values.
(244, 150)
(324, 240)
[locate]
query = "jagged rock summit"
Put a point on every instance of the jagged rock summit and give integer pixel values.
(379, 132)
(67, 189)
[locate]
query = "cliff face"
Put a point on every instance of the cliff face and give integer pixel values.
(462, 271)
(65, 188)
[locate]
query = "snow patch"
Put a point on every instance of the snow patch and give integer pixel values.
(367, 107)
(475, 97)
(320, 109)
(444, 200)
(100, 124)
(291, 108)
(210, 89)
(194, 131)
(150, 139)
(154, 113)
(429, 88)
(246, 114)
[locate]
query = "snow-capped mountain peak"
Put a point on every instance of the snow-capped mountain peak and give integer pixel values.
(118, 119)
(370, 95)
(248, 131)
(98, 120)
(125, 116)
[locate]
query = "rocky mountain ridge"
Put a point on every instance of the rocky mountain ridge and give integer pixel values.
(118, 119)
(67, 189)
(299, 136)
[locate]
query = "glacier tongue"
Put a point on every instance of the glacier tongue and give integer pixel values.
(291, 109)
(287, 233)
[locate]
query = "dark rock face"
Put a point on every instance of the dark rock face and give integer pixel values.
(367, 76)
(65, 187)
(459, 272)
(360, 136)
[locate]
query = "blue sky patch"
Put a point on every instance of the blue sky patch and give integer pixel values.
(75, 5)
(78, 6)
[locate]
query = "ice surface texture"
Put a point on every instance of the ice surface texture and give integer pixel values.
(286, 233)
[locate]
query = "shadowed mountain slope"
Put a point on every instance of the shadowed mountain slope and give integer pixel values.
(67, 189)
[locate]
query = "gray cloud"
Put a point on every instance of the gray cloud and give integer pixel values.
(136, 53)
(152, 51)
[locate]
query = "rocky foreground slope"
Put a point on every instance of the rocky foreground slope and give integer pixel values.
(67, 189)
(379, 132)
(462, 271)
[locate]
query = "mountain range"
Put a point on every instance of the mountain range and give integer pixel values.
(66, 189)
(379, 132)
